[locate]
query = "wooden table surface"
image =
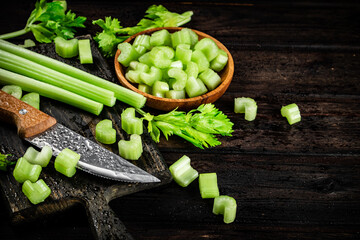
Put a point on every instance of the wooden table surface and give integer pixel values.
(298, 181)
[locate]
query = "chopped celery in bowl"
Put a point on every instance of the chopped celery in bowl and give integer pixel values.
(193, 64)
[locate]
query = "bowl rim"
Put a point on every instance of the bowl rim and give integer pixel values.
(119, 69)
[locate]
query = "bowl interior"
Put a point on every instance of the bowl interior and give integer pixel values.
(167, 104)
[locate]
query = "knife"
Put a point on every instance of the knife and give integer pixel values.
(40, 129)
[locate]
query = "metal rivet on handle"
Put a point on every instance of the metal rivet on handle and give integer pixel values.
(23, 111)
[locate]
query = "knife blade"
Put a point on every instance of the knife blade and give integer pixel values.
(41, 129)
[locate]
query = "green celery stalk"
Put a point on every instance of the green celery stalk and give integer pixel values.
(131, 149)
(85, 51)
(25, 170)
(226, 206)
(36, 192)
(208, 185)
(31, 69)
(66, 162)
(121, 93)
(182, 172)
(50, 91)
(104, 132)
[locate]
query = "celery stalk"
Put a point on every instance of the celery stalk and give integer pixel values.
(121, 93)
(31, 69)
(85, 51)
(50, 91)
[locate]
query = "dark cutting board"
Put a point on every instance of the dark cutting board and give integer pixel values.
(94, 193)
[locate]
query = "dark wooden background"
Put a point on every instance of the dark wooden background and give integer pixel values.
(290, 182)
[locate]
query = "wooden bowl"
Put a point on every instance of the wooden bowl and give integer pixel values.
(167, 104)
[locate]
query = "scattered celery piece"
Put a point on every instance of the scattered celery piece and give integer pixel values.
(131, 149)
(200, 59)
(160, 88)
(220, 61)
(208, 185)
(66, 162)
(28, 43)
(85, 53)
(121, 93)
(13, 90)
(104, 132)
(127, 54)
(36, 192)
(41, 158)
(247, 106)
(160, 38)
(180, 78)
(226, 206)
(182, 172)
(66, 48)
(292, 113)
(208, 47)
(32, 99)
(210, 78)
(26, 171)
(130, 123)
(175, 94)
(50, 91)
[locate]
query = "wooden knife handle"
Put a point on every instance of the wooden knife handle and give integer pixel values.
(29, 120)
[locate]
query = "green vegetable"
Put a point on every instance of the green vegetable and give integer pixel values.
(85, 51)
(160, 38)
(31, 69)
(161, 57)
(41, 158)
(208, 185)
(131, 149)
(247, 106)
(226, 206)
(13, 90)
(183, 53)
(160, 88)
(200, 59)
(175, 94)
(128, 54)
(156, 16)
(66, 162)
(220, 61)
(210, 78)
(198, 126)
(36, 192)
(292, 113)
(104, 132)
(49, 20)
(4, 163)
(182, 172)
(32, 99)
(130, 123)
(121, 93)
(26, 171)
(180, 37)
(195, 87)
(66, 48)
(145, 88)
(180, 78)
(149, 78)
(28, 43)
(50, 91)
(208, 47)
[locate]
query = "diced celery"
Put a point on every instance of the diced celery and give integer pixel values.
(200, 59)
(13, 90)
(85, 53)
(32, 99)
(160, 57)
(127, 54)
(66, 162)
(160, 38)
(36, 192)
(210, 78)
(220, 61)
(247, 106)
(208, 185)
(177, 64)
(193, 36)
(149, 78)
(134, 75)
(140, 49)
(133, 65)
(41, 158)
(180, 37)
(66, 48)
(131, 149)
(292, 113)
(192, 70)
(146, 59)
(26, 171)
(104, 132)
(195, 87)
(130, 123)
(145, 88)
(226, 206)
(208, 47)
(180, 78)
(182, 172)
(160, 88)
(142, 40)
(175, 94)
(183, 53)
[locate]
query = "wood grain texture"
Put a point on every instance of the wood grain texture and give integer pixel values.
(290, 182)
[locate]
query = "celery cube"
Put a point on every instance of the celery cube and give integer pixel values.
(145, 58)
(41, 158)
(160, 38)
(183, 53)
(226, 206)
(220, 61)
(192, 70)
(36, 192)
(145, 88)
(128, 53)
(200, 59)
(160, 57)
(175, 94)
(104, 132)
(180, 37)
(66, 48)
(149, 78)
(208, 185)
(26, 171)
(193, 36)
(142, 40)
(182, 172)
(292, 113)
(177, 64)
(160, 88)
(210, 78)
(247, 106)
(85, 51)
(208, 47)
(13, 90)
(66, 162)
(131, 149)
(32, 99)
(130, 123)
(195, 87)
(179, 77)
